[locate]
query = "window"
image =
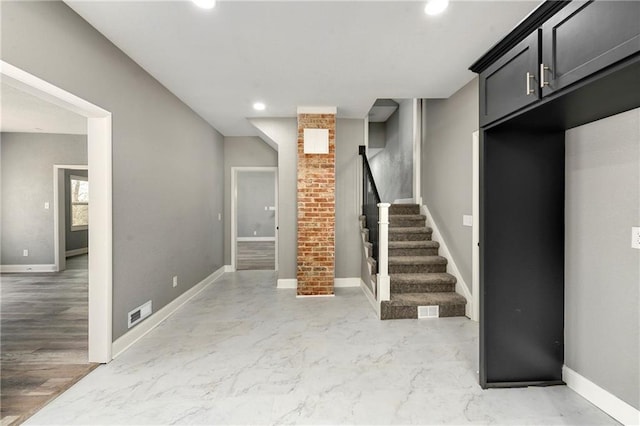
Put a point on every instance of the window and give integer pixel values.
(79, 203)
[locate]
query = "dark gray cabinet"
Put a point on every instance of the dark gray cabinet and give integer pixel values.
(511, 83)
(584, 38)
(571, 42)
(592, 53)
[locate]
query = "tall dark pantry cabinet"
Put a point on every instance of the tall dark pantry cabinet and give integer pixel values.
(565, 65)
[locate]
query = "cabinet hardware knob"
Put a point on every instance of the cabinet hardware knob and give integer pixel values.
(543, 83)
(530, 89)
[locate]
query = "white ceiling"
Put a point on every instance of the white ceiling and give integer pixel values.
(25, 113)
(301, 53)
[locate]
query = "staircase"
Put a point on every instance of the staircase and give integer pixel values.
(418, 275)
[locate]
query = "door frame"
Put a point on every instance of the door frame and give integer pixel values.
(99, 161)
(59, 224)
(234, 207)
(475, 230)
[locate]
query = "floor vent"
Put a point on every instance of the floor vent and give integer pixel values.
(138, 314)
(432, 311)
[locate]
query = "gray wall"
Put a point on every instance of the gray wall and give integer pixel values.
(392, 168)
(602, 272)
(168, 174)
(73, 239)
(447, 168)
(256, 191)
(377, 135)
(242, 152)
(349, 135)
(27, 161)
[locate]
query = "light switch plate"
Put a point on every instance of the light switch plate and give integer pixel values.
(635, 237)
(467, 220)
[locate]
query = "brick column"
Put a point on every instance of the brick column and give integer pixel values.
(316, 207)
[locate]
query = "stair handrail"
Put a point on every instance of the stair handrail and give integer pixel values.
(376, 215)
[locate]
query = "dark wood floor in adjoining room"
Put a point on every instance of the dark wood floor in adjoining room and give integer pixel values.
(256, 255)
(43, 324)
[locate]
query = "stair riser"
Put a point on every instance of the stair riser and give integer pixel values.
(413, 252)
(422, 288)
(406, 222)
(411, 312)
(410, 236)
(417, 269)
(397, 209)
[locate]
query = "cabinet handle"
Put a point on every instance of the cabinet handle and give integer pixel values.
(530, 90)
(543, 83)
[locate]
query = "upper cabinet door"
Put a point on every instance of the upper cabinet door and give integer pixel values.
(511, 82)
(584, 38)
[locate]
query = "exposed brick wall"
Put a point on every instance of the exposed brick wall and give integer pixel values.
(316, 210)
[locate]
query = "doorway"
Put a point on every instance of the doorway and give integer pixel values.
(254, 218)
(100, 206)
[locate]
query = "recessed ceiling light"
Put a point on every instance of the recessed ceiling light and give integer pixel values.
(436, 7)
(205, 4)
(259, 106)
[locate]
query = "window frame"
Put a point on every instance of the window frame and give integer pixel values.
(72, 203)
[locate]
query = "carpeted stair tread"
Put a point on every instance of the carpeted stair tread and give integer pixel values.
(426, 299)
(410, 230)
(413, 244)
(417, 260)
(431, 278)
(396, 209)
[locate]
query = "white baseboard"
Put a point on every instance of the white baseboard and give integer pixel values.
(404, 201)
(256, 239)
(76, 252)
(138, 332)
(287, 283)
(461, 286)
(303, 296)
(229, 268)
(27, 268)
(604, 400)
(337, 282)
(346, 282)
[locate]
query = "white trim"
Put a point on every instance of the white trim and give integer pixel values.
(371, 298)
(403, 201)
(255, 238)
(475, 230)
(59, 224)
(346, 282)
(100, 210)
(318, 110)
(125, 341)
(234, 203)
(461, 286)
(601, 398)
(229, 268)
(287, 283)
(308, 296)
(76, 252)
(11, 269)
(417, 139)
(337, 282)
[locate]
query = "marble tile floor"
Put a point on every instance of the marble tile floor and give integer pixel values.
(243, 352)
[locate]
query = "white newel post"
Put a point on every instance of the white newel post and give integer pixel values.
(384, 283)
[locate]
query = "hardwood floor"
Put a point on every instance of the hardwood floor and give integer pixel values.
(44, 339)
(256, 255)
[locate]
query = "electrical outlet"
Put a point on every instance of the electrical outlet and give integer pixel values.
(46, 205)
(25, 252)
(635, 237)
(255, 232)
(175, 281)
(219, 216)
